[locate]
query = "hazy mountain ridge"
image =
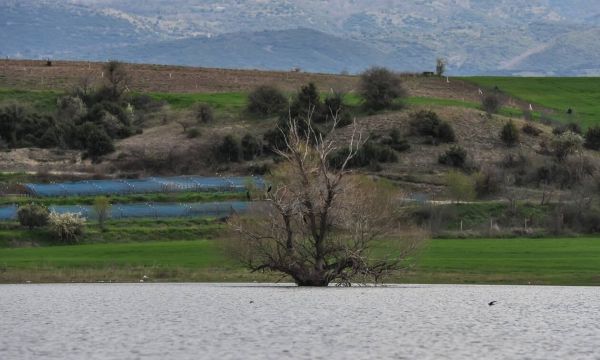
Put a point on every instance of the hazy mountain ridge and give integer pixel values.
(475, 37)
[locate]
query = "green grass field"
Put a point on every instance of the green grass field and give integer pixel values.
(120, 231)
(565, 261)
(184, 197)
(581, 94)
(44, 101)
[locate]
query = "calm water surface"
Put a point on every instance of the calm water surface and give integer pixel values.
(217, 321)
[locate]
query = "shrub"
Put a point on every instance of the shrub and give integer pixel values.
(101, 209)
(509, 134)
(491, 103)
(203, 113)
(228, 151)
(379, 88)
(144, 102)
(308, 97)
(566, 144)
(445, 133)
(369, 154)
(96, 141)
(428, 123)
(251, 147)
(274, 139)
(193, 133)
(573, 127)
(67, 228)
(456, 156)
(531, 130)
(334, 103)
(266, 100)
(32, 215)
(592, 138)
(396, 142)
(460, 186)
(488, 182)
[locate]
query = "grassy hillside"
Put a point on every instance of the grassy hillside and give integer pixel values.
(580, 94)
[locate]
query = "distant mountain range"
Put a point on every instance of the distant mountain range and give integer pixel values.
(541, 37)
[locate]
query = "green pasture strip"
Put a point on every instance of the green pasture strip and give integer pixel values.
(581, 94)
(185, 197)
(40, 100)
(120, 231)
(235, 101)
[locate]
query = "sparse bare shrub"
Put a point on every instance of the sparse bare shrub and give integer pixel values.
(203, 113)
(379, 88)
(266, 100)
(531, 130)
(566, 144)
(193, 133)
(32, 215)
(67, 228)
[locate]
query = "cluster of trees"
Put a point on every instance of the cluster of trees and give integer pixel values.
(89, 118)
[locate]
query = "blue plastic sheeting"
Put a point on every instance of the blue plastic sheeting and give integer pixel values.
(144, 186)
(8, 212)
(145, 210)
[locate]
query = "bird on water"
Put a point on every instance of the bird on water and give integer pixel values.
(492, 303)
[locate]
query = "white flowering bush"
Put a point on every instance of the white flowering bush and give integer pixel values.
(67, 228)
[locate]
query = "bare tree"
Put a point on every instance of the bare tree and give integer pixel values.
(117, 78)
(317, 224)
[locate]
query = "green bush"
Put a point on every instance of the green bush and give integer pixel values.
(488, 182)
(95, 140)
(592, 138)
(509, 134)
(456, 156)
(428, 123)
(266, 101)
(32, 215)
(228, 150)
(379, 88)
(396, 142)
(370, 153)
(491, 103)
(251, 147)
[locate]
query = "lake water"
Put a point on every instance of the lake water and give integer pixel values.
(221, 321)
